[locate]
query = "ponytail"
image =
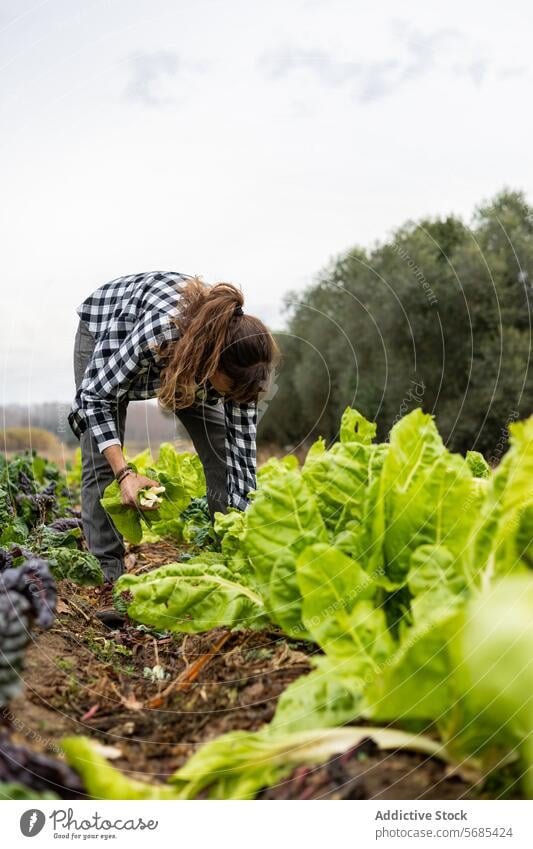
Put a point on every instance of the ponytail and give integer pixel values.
(215, 335)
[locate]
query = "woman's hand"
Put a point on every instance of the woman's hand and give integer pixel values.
(130, 483)
(129, 490)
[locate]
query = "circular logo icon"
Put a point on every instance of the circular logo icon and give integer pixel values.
(32, 822)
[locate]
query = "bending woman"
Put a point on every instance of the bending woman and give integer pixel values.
(170, 336)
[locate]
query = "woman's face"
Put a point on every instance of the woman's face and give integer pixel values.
(221, 382)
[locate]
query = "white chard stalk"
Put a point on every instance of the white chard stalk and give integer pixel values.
(150, 496)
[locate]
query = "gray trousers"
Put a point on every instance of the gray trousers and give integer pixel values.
(206, 428)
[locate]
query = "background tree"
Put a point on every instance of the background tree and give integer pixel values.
(438, 316)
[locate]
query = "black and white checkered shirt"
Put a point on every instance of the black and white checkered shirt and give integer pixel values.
(129, 318)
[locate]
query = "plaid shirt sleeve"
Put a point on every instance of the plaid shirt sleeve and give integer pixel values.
(241, 425)
(112, 375)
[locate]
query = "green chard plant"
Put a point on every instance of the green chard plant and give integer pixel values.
(400, 561)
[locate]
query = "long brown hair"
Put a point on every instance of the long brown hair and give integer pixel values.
(215, 335)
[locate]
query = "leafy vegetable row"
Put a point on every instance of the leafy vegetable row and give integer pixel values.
(409, 566)
(36, 518)
(37, 515)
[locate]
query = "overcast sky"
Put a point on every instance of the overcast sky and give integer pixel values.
(243, 141)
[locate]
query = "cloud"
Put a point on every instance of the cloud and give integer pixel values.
(418, 54)
(149, 71)
(512, 72)
(372, 79)
(282, 62)
(476, 71)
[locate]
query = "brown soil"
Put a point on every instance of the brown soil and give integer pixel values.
(367, 773)
(81, 678)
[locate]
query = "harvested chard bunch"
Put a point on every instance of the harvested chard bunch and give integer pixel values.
(183, 479)
(150, 496)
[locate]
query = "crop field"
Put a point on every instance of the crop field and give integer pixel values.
(364, 630)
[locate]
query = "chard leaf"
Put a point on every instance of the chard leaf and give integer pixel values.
(283, 518)
(415, 681)
(425, 497)
(239, 764)
(78, 566)
(435, 580)
(15, 532)
(281, 521)
(338, 608)
(142, 461)
(340, 476)
(192, 597)
(126, 520)
(317, 449)
(477, 464)
(102, 780)
(274, 467)
(338, 479)
(494, 667)
(504, 525)
(283, 599)
(355, 428)
(230, 529)
(322, 699)
(184, 469)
